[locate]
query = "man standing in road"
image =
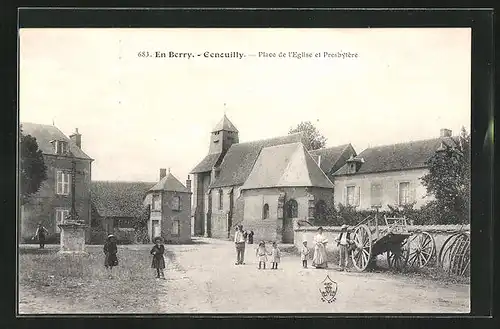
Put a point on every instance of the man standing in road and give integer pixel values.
(41, 232)
(239, 241)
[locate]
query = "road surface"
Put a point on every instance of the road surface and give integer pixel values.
(202, 278)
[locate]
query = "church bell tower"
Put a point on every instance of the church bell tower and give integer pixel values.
(223, 136)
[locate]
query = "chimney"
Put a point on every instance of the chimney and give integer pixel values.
(163, 173)
(319, 161)
(188, 183)
(445, 132)
(76, 137)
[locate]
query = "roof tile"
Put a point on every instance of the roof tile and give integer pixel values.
(118, 199)
(240, 158)
(170, 183)
(401, 156)
(44, 134)
(286, 165)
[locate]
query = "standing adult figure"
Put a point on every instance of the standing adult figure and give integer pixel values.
(239, 241)
(320, 259)
(343, 242)
(40, 234)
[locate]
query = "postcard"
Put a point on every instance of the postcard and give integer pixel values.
(251, 170)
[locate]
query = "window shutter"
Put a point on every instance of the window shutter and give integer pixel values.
(180, 203)
(344, 196)
(68, 180)
(413, 192)
(398, 187)
(357, 196)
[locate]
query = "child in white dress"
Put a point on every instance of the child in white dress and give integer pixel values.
(275, 256)
(261, 254)
(304, 253)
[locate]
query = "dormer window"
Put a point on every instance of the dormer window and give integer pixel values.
(60, 147)
(353, 164)
(352, 168)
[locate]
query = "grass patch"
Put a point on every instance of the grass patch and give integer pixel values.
(52, 279)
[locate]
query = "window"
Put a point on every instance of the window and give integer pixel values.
(61, 215)
(376, 194)
(265, 211)
(404, 193)
(176, 203)
(60, 147)
(62, 183)
(221, 200)
(175, 227)
(291, 209)
(156, 202)
(352, 196)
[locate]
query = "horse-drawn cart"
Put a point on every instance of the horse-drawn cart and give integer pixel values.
(393, 238)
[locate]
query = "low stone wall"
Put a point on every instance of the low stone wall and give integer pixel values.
(439, 232)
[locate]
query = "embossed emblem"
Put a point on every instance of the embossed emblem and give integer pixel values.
(328, 290)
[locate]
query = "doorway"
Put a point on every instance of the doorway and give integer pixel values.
(291, 213)
(155, 229)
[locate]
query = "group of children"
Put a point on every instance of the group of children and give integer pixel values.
(111, 260)
(261, 253)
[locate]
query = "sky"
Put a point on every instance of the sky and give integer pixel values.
(137, 114)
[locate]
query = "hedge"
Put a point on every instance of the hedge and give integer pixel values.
(427, 215)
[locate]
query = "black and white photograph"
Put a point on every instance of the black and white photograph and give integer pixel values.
(238, 171)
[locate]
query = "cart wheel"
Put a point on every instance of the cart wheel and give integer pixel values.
(444, 253)
(460, 255)
(422, 248)
(363, 253)
(397, 257)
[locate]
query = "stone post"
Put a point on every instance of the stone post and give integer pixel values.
(72, 237)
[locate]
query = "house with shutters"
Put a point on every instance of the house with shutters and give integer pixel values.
(221, 200)
(170, 204)
(388, 175)
(67, 164)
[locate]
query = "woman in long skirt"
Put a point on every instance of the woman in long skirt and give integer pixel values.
(158, 262)
(110, 250)
(319, 259)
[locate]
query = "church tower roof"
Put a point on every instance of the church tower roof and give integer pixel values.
(225, 124)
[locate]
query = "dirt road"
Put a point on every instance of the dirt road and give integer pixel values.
(203, 278)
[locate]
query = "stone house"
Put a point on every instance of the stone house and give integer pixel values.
(218, 178)
(117, 205)
(170, 204)
(388, 175)
(67, 164)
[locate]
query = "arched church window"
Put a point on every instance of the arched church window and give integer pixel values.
(265, 211)
(291, 209)
(221, 199)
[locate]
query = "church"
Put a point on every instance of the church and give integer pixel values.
(266, 185)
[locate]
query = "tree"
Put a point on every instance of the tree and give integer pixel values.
(448, 180)
(33, 170)
(313, 139)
